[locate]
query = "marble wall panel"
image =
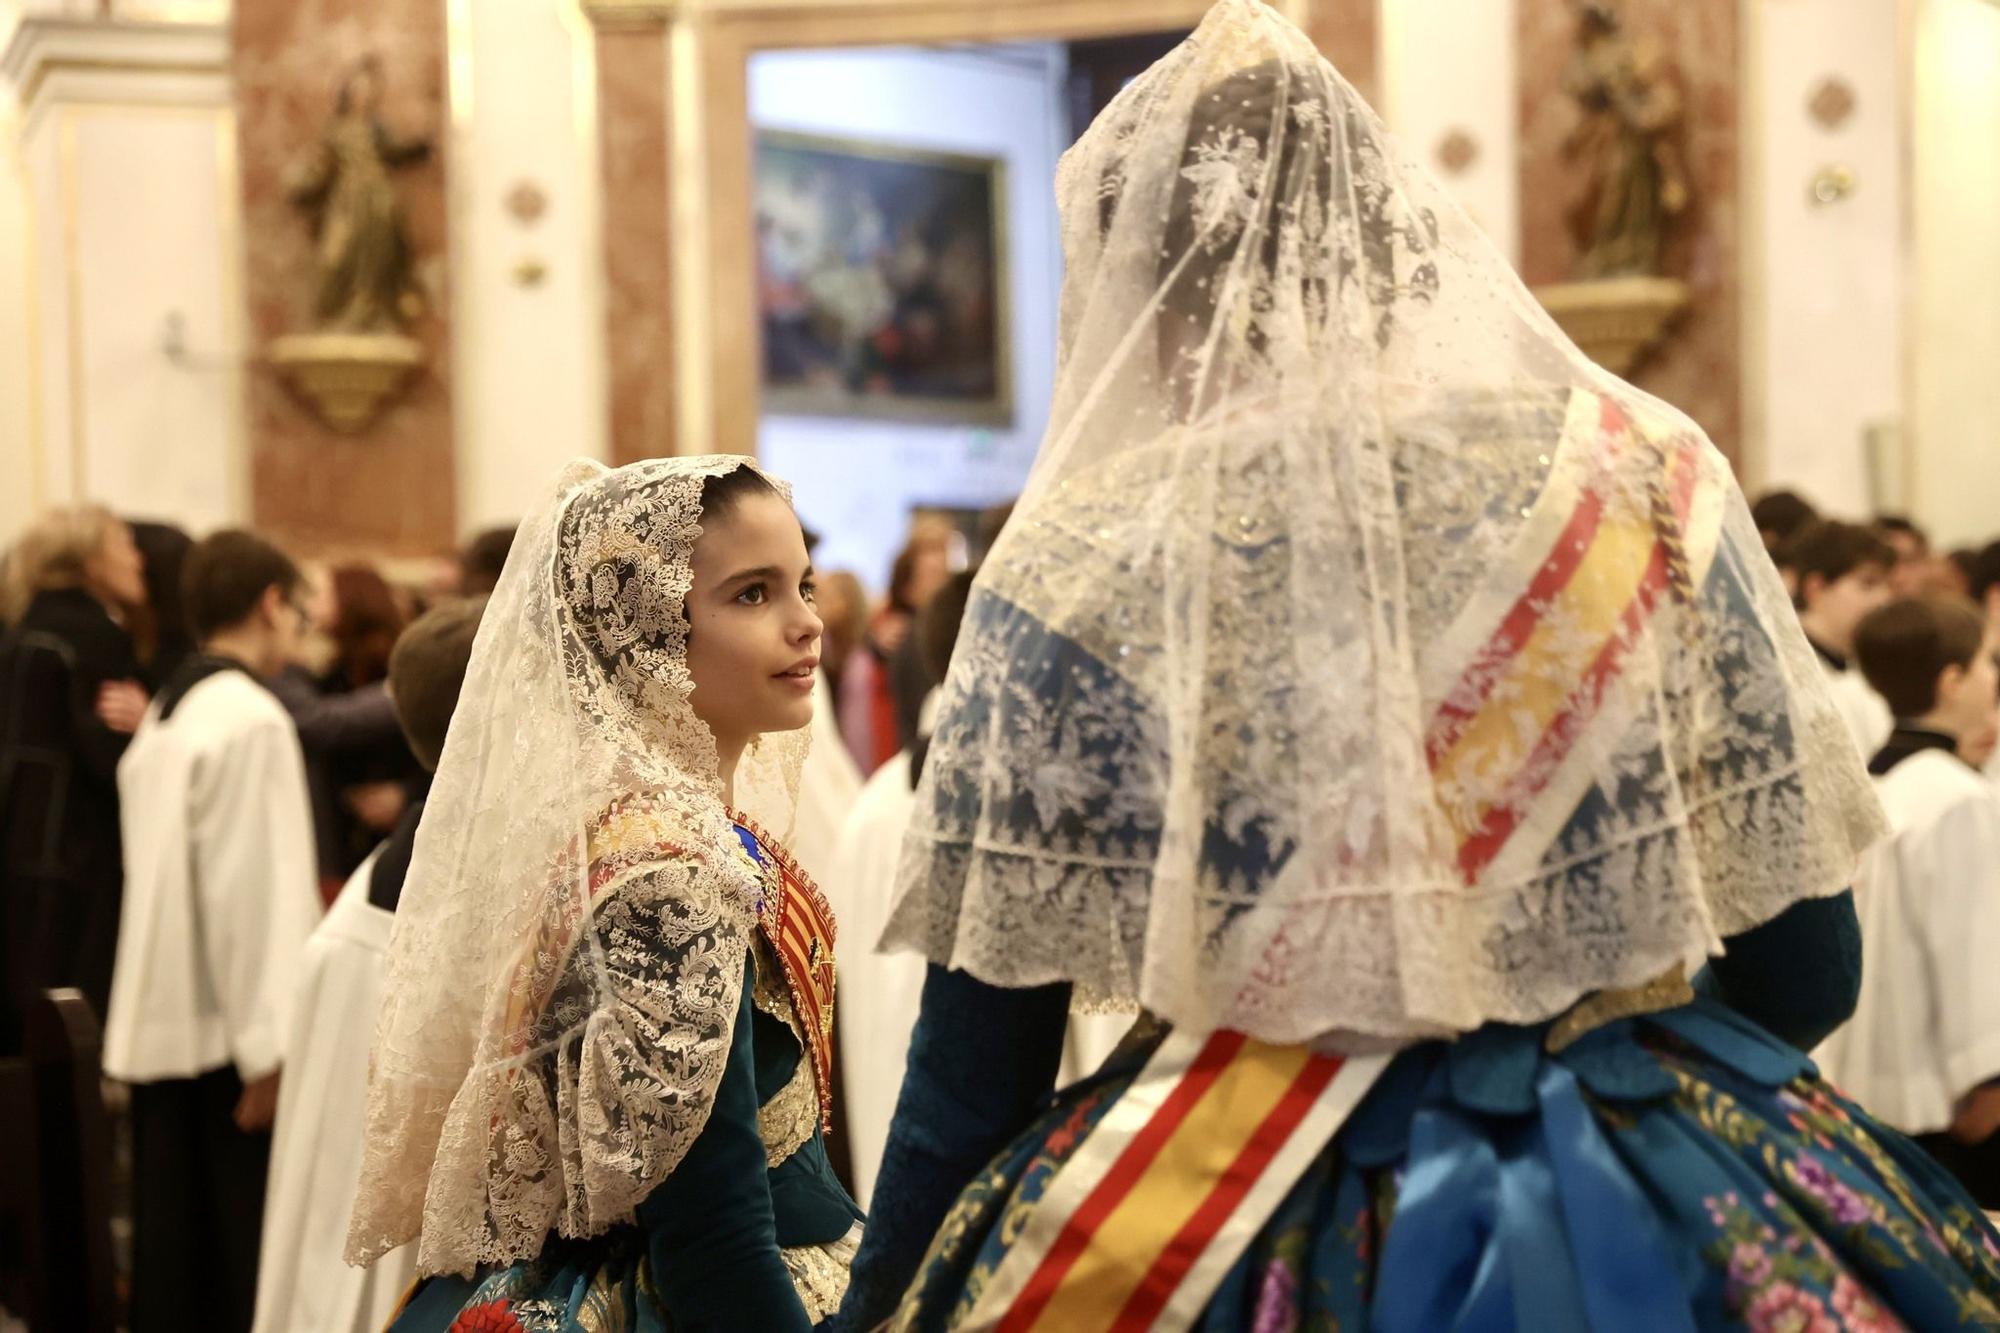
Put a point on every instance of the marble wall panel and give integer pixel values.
(388, 488)
(1345, 32)
(632, 117)
(1698, 368)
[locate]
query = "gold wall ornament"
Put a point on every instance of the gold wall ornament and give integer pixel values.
(347, 377)
(1457, 151)
(526, 202)
(365, 288)
(1636, 183)
(1832, 183)
(1615, 321)
(1832, 102)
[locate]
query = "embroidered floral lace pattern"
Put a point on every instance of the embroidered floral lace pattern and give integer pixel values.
(563, 978)
(1360, 658)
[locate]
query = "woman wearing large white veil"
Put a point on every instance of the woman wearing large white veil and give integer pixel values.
(601, 1076)
(1402, 714)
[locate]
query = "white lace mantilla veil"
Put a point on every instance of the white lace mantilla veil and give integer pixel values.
(569, 949)
(1361, 662)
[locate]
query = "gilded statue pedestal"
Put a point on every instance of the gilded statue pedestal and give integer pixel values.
(1616, 321)
(347, 377)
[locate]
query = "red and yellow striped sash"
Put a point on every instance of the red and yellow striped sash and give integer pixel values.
(1530, 691)
(798, 922)
(1160, 1200)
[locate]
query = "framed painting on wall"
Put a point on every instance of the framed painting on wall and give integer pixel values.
(881, 281)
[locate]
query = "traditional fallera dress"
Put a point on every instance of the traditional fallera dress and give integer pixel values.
(1402, 716)
(602, 1077)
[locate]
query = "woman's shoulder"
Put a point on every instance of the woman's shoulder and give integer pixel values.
(79, 620)
(635, 830)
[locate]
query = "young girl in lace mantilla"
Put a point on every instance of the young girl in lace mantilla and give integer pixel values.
(601, 1078)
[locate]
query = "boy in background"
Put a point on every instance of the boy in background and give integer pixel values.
(220, 894)
(1923, 1048)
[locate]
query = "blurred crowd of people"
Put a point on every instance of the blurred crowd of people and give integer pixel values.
(129, 737)
(1841, 570)
(93, 614)
(1909, 639)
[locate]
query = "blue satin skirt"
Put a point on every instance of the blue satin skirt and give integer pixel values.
(1684, 1170)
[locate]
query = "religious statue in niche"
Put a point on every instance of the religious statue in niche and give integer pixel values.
(364, 295)
(1636, 184)
(365, 274)
(1619, 305)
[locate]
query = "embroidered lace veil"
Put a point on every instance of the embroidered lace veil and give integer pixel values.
(569, 949)
(1361, 661)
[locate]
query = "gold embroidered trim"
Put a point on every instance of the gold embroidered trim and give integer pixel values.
(819, 1273)
(1667, 991)
(786, 1122)
(804, 950)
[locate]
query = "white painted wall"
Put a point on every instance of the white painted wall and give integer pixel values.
(1826, 283)
(1449, 65)
(125, 220)
(17, 496)
(529, 376)
(855, 481)
(1955, 309)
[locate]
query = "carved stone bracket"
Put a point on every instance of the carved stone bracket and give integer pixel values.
(347, 378)
(1616, 321)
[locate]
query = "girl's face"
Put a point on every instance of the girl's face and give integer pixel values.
(753, 633)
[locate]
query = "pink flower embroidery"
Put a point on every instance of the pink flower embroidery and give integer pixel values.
(1783, 1308)
(1749, 1265)
(1858, 1311)
(1277, 1301)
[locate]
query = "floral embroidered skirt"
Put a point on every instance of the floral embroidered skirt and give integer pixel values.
(1684, 1170)
(601, 1288)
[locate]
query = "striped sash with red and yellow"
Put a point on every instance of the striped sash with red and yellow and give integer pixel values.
(1138, 1227)
(798, 922)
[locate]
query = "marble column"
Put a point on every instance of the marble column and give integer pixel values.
(632, 82)
(1697, 367)
(1346, 33)
(388, 488)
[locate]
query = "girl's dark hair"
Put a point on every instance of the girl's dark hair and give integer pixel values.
(721, 494)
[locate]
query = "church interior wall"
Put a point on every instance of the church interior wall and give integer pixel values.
(389, 488)
(857, 479)
(528, 275)
(150, 284)
(1698, 367)
(1954, 402)
(1838, 345)
(1825, 252)
(123, 258)
(1447, 76)
(20, 497)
